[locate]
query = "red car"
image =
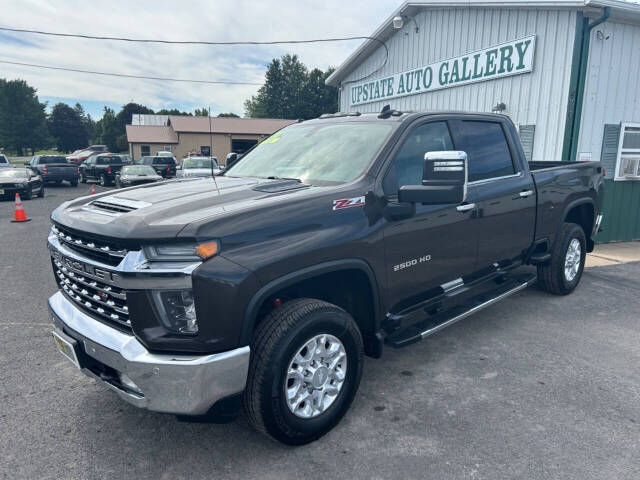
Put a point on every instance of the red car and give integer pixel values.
(80, 156)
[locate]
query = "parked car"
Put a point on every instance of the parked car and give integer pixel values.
(232, 159)
(165, 165)
(199, 167)
(131, 175)
(54, 169)
(346, 234)
(102, 167)
(22, 181)
(78, 157)
(4, 161)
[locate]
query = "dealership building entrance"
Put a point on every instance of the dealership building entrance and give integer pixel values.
(567, 73)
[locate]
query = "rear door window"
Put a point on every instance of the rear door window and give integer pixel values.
(487, 149)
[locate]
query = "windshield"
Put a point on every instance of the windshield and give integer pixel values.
(110, 160)
(333, 153)
(138, 170)
(52, 159)
(195, 162)
(13, 173)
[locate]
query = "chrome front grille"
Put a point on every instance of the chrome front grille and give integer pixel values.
(105, 301)
(104, 252)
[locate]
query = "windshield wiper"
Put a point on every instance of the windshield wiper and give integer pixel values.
(274, 177)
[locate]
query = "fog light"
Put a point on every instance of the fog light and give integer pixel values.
(177, 310)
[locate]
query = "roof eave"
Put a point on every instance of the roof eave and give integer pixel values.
(409, 9)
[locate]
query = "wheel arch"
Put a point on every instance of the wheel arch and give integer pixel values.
(363, 305)
(582, 212)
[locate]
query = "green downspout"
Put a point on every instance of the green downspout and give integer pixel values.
(578, 82)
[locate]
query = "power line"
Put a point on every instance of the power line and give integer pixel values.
(110, 74)
(203, 42)
(185, 42)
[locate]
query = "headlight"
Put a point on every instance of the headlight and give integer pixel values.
(177, 310)
(182, 251)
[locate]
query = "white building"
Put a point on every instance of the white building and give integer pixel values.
(567, 73)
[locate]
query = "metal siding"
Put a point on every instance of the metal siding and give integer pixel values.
(538, 98)
(621, 221)
(611, 92)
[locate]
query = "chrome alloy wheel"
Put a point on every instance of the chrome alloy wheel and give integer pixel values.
(315, 376)
(573, 259)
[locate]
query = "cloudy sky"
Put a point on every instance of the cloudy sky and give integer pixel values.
(217, 20)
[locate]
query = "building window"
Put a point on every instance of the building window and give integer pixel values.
(205, 151)
(628, 161)
(145, 150)
(167, 148)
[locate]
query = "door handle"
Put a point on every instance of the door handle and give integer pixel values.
(526, 193)
(466, 207)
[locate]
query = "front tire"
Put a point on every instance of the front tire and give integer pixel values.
(304, 372)
(561, 275)
(41, 192)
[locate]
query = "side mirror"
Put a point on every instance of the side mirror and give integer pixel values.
(444, 180)
(231, 159)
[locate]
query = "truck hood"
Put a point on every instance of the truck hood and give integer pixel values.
(162, 210)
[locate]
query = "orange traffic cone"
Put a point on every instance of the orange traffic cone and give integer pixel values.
(93, 189)
(18, 214)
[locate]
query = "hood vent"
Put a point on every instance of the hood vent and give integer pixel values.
(113, 205)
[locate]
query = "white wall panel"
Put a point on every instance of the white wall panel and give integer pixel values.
(538, 98)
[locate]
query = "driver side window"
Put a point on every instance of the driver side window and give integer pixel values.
(409, 160)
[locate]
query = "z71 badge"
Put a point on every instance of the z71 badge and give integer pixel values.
(348, 202)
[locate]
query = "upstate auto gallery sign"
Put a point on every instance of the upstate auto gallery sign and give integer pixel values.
(511, 58)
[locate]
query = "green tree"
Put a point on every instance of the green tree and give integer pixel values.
(123, 117)
(22, 117)
(107, 132)
(291, 91)
(173, 111)
(67, 127)
(201, 112)
(87, 121)
(228, 115)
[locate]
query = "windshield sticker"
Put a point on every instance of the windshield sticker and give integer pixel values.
(348, 203)
(273, 138)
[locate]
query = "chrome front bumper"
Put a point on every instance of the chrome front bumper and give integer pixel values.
(179, 384)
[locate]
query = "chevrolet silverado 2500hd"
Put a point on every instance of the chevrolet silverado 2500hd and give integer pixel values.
(330, 239)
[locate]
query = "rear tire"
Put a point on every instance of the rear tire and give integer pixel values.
(282, 364)
(103, 180)
(74, 183)
(561, 275)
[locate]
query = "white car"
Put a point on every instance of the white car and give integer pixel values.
(199, 167)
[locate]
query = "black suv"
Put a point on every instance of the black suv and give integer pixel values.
(165, 166)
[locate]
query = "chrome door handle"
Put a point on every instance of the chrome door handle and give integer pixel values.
(466, 207)
(526, 193)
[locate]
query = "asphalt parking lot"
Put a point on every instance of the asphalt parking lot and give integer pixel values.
(535, 387)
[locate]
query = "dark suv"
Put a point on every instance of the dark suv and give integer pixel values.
(165, 166)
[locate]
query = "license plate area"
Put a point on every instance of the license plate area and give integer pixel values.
(67, 347)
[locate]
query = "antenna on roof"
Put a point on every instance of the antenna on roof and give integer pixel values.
(210, 152)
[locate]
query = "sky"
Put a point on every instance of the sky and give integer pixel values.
(217, 20)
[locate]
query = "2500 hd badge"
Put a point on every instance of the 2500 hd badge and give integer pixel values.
(411, 263)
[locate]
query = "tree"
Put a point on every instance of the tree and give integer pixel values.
(22, 117)
(107, 131)
(173, 111)
(87, 121)
(123, 117)
(67, 127)
(201, 112)
(228, 115)
(291, 91)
